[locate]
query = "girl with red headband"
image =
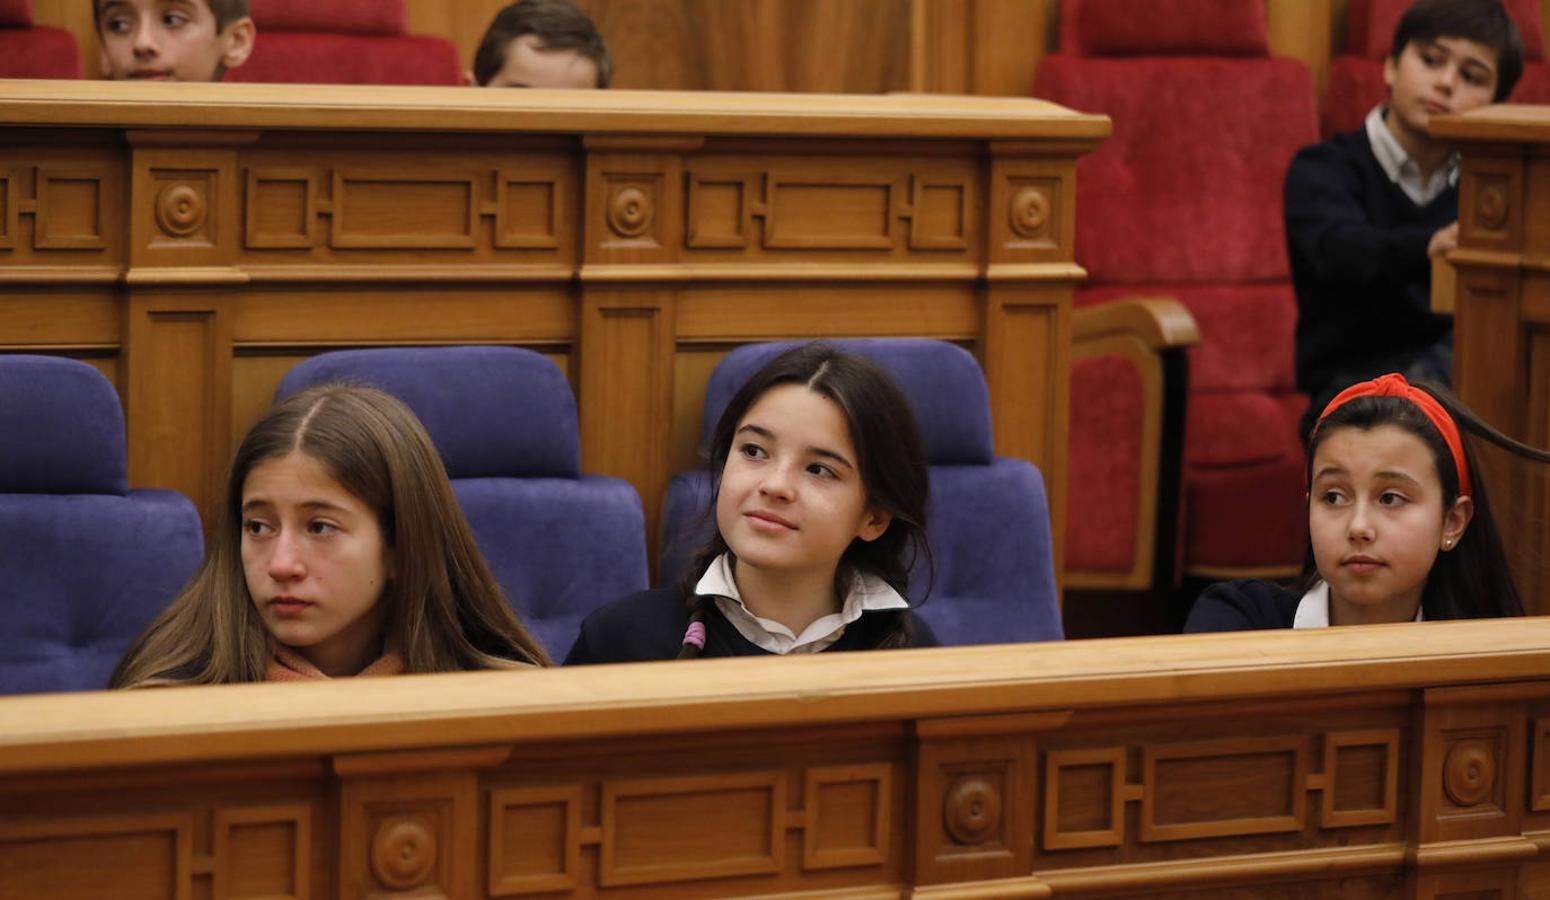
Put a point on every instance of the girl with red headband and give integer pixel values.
(1399, 525)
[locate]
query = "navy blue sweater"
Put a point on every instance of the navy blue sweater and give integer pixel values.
(1357, 245)
(650, 625)
(1245, 605)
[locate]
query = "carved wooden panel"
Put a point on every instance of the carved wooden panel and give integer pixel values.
(1183, 799)
(1084, 798)
(848, 816)
(62, 214)
(184, 206)
(478, 213)
(831, 208)
(263, 853)
(975, 789)
(1031, 212)
(1360, 778)
(142, 856)
(71, 209)
(1492, 203)
(410, 836)
(839, 212)
(534, 840)
(1475, 781)
(9, 214)
(694, 827)
(282, 206)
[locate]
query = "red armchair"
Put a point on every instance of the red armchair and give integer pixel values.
(1355, 83)
(1184, 201)
(34, 51)
(344, 42)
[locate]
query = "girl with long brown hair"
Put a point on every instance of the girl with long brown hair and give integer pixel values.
(339, 550)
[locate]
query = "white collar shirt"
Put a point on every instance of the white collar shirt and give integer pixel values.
(1313, 608)
(1401, 169)
(867, 593)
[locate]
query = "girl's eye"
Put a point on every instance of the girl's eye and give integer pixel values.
(821, 470)
(752, 451)
(319, 527)
(1391, 498)
(174, 20)
(1331, 498)
(255, 527)
(117, 25)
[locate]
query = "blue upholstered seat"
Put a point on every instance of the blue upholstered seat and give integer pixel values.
(559, 542)
(989, 519)
(85, 563)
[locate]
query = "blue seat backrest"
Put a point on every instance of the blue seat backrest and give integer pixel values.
(86, 562)
(559, 542)
(990, 576)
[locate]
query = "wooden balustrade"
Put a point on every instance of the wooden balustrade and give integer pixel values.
(1386, 761)
(195, 241)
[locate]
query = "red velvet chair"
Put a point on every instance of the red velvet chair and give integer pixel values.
(34, 51)
(344, 42)
(1184, 201)
(1355, 83)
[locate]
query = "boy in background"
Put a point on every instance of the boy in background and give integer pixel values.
(542, 44)
(1366, 211)
(173, 40)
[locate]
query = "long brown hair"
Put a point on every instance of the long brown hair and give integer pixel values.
(445, 609)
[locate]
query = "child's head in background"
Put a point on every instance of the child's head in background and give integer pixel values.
(542, 44)
(172, 40)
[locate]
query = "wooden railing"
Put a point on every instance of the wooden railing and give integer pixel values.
(1385, 761)
(194, 241)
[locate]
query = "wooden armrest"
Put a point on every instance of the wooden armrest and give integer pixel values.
(1160, 323)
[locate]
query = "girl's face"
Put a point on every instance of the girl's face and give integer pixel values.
(791, 498)
(1377, 523)
(315, 562)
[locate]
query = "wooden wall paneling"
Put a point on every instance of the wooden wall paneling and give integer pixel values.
(1031, 236)
(1305, 30)
(933, 773)
(985, 47)
(633, 217)
(62, 205)
(183, 233)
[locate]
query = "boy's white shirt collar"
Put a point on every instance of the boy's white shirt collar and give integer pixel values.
(867, 593)
(1400, 168)
(1313, 608)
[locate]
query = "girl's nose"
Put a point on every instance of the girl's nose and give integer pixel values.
(285, 562)
(777, 482)
(145, 39)
(1360, 526)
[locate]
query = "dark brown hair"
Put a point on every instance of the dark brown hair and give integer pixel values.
(445, 609)
(225, 11)
(1473, 580)
(890, 457)
(557, 24)
(1482, 21)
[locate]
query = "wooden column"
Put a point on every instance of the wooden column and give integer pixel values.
(1026, 346)
(632, 235)
(183, 245)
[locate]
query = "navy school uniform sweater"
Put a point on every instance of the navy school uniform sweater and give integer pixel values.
(1246, 605)
(650, 625)
(1357, 247)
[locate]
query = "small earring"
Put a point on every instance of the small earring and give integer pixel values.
(1447, 544)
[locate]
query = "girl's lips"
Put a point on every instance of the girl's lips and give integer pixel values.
(1362, 565)
(769, 521)
(287, 607)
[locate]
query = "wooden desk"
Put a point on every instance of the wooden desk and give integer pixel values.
(195, 241)
(1500, 299)
(1386, 761)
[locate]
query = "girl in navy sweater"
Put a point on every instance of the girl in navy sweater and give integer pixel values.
(1399, 524)
(820, 505)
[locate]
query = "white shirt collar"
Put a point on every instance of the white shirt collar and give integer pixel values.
(1313, 608)
(1401, 169)
(867, 593)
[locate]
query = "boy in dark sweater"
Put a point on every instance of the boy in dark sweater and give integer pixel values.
(1366, 211)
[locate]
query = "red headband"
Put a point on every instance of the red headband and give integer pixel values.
(1395, 385)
